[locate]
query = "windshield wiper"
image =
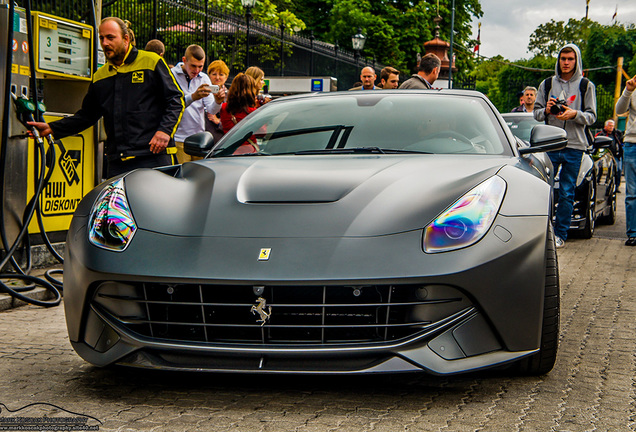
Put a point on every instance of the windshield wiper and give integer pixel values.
(257, 153)
(358, 150)
(341, 150)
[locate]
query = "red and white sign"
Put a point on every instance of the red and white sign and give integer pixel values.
(25, 47)
(15, 45)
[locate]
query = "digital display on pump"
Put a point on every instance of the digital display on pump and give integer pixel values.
(64, 47)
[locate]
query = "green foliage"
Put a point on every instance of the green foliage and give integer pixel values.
(395, 29)
(605, 45)
(267, 12)
(631, 70)
(550, 37)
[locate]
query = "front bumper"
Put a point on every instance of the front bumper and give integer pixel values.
(499, 283)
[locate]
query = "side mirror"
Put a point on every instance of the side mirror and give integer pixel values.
(198, 144)
(603, 142)
(545, 138)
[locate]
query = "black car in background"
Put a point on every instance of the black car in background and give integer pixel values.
(595, 195)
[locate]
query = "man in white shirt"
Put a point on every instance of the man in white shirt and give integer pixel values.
(198, 97)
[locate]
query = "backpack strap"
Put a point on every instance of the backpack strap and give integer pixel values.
(582, 89)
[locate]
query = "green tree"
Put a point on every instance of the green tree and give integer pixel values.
(550, 37)
(396, 29)
(605, 45)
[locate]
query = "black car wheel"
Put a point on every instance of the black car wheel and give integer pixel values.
(610, 217)
(588, 229)
(543, 361)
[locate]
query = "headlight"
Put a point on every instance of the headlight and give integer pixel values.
(467, 220)
(111, 225)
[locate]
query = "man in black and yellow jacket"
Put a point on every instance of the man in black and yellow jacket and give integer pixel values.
(137, 96)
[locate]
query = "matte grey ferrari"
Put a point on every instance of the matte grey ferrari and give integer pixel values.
(338, 233)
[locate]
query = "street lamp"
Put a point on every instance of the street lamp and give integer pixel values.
(248, 5)
(357, 41)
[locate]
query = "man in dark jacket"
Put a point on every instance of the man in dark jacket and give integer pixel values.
(427, 73)
(616, 147)
(137, 96)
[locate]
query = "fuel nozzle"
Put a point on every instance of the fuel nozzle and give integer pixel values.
(24, 109)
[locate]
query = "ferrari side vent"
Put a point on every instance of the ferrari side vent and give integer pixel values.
(278, 315)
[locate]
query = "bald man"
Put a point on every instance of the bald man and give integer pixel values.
(367, 77)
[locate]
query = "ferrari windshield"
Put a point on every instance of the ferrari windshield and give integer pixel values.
(377, 122)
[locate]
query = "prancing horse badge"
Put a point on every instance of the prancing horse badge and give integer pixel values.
(264, 255)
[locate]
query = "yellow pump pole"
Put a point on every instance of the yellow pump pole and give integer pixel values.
(617, 90)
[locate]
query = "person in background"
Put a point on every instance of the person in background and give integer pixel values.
(627, 104)
(367, 77)
(573, 113)
(609, 130)
(427, 73)
(520, 97)
(528, 98)
(241, 101)
(389, 78)
(156, 46)
(218, 72)
(259, 78)
(137, 96)
(199, 99)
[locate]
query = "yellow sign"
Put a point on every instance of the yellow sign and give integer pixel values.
(64, 191)
(72, 178)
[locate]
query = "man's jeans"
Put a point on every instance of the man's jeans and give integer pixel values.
(629, 170)
(570, 162)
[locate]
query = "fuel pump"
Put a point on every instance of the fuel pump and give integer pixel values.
(50, 57)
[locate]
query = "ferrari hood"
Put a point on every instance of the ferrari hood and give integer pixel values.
(304, 196)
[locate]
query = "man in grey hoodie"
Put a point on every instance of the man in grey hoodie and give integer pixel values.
(573, 116)
(627, 104)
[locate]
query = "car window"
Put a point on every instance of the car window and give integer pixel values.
(436, 123)
(521, 126)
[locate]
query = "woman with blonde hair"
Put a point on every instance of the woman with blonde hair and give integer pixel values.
(259, 77)
(218, 72)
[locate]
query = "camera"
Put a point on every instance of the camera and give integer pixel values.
(558, 107)
(213, 88)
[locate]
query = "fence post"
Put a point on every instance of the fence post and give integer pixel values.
(282, 46)
(206, 29)
(311, 57)
(154, 19)
(335, 56)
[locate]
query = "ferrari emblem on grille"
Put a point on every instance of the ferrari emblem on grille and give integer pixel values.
(260, 309)
(264, 255)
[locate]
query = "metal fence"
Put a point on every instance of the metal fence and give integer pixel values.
(223, 35)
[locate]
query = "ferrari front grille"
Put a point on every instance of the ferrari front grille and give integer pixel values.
(239, 314)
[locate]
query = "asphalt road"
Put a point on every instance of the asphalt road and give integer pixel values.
(592, 387)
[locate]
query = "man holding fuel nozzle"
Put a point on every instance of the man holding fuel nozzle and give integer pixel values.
(137, 96)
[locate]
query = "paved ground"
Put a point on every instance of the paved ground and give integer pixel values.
(593, 386)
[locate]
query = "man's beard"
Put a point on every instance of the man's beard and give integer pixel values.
(116, 55)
